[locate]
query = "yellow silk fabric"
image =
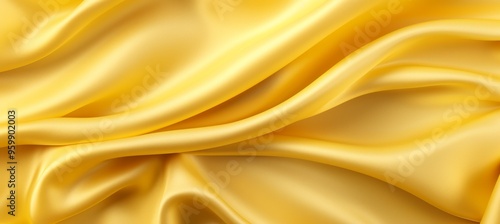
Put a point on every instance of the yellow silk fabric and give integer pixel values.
(250, 111)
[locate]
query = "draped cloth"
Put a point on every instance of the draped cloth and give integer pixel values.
(248, 111)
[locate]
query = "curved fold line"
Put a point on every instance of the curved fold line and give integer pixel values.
(492, 214)
(61, 33)
(391, 80)
(222, 54)
(143, 113)
(215, 205)
(319, 96)
(400, 86)
(47, 180)
(300, 148)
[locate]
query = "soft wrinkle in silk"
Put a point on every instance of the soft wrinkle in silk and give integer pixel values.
(244, 111)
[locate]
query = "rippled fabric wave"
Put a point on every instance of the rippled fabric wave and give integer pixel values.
(244, 111)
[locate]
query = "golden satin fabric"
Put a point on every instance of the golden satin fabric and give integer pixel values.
(245, 111)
